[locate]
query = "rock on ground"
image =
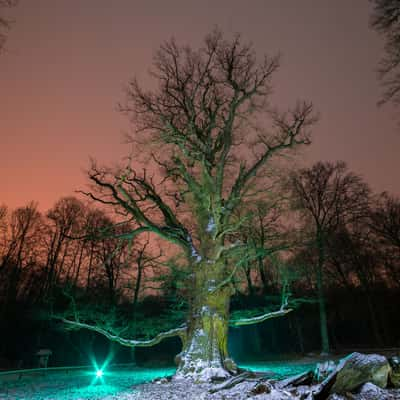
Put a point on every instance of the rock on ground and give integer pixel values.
(394, 375)
(359, 369)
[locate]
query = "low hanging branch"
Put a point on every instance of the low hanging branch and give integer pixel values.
(181, 332)
(261, 318)
(283, 310)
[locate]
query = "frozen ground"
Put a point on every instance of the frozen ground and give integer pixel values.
(114, 385)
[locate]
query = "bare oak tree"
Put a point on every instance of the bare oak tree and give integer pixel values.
(205, 127)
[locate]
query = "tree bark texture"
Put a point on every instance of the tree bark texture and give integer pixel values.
(205, 350)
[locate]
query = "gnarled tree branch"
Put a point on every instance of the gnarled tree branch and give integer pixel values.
(260, 318)
(181, 332)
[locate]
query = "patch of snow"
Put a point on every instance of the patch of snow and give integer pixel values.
(211, 225)
(205, 310)
(208, 373)
(196, 255)
(200, 333)
(366, 359)
(370, 389)
(200, 372)
(194, 252)
(211, 286)
(279, 395)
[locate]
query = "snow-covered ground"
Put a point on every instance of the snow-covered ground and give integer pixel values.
(118, 384)
(74, 385)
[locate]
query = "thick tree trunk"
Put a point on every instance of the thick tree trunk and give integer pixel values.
(247, 272)
(263, 275)
(299, 332)
(323, 318)
(205, 351)
(374, 321)
(321, 295)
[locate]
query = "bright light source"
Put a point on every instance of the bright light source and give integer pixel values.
(99, 373)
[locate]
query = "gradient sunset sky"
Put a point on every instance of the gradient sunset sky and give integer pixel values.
(67, 62)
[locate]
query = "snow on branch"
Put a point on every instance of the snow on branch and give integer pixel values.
(181, 332)
(261, 318)
(283, 310)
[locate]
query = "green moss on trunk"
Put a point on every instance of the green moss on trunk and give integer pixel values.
(205, 351)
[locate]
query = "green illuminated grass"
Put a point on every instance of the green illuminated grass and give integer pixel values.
(79, 384)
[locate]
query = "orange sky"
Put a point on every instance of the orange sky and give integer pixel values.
(68, 60)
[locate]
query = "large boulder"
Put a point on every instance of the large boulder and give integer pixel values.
(394, 375)
(358, 369)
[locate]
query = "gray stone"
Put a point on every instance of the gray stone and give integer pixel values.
(394, 375)
(359, 369)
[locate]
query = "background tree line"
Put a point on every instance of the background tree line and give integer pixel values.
(328, 242)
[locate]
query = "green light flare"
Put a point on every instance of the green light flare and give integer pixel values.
(100, 372)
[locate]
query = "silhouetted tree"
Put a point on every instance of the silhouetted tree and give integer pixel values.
(5, 22)
(145, 262)
(327, 196)
(386, 20)
(385, 219)
(358, 261)
(204, 123)
(265, 235)
(64, 220)
(112, 258)
(94, 221)
(20, 251)
(3, 229)
(385, 223)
